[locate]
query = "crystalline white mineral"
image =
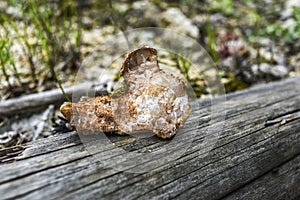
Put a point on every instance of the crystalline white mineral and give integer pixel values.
(155, 100)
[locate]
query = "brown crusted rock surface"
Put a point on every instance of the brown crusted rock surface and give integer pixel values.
(155, 101)
(93, 114)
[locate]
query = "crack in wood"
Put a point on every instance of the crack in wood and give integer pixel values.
(10, 153)
(283, 119)
(241, 190)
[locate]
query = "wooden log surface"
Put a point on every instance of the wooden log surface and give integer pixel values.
(39, 101)
(256, 156)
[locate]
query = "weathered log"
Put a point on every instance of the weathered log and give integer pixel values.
(256, 156)
(39, 101)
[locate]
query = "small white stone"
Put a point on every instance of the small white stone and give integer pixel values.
(279, 71)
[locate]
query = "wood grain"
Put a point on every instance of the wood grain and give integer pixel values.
(256, 156)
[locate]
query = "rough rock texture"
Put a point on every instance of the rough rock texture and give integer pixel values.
(175, 19)
(91, 115)
(154, 100)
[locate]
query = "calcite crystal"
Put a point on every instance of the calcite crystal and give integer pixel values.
(154, 100)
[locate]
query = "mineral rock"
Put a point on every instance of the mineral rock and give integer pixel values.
(154, 100)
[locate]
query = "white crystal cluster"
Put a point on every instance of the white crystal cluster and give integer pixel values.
(155, 100)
